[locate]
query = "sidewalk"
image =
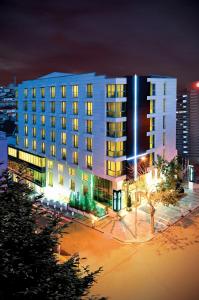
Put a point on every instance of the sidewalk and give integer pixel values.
(123, 227)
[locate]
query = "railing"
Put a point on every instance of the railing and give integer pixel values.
(116, 134)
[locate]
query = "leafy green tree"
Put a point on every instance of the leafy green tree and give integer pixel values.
(29, 267)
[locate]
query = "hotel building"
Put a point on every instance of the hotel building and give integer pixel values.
(76, 132)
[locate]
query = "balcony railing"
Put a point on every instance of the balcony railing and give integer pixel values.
(115, 153)
(115, 114)
(116, 134)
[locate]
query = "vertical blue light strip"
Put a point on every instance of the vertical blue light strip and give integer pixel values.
(135, 125)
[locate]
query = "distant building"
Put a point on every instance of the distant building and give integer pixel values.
(3, 152)
(182, 123)
(76, 132)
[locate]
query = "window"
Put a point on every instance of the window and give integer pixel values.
(116, 110)
(164, 122)
(71, 171)
(89, 90)
(75, 157)
(12, 152)
(25, 92)
(42, 106)
(89, 108)
(63, 107)
(34, 132)
(116, 129)
(165, 88)
(42, 90)
(72, 185)
(34, 119)
(33, 92)
(116, 90)
(75, 124)
(63, 153)
(111, 90)
(34, 105)
(152, 141)
(121, 90)
(75, 91)
(152, 124)
(61, 179)
(75, 141)
(114, 169)
(52, 106)
(50, 164)
(75, 108)
(89, 144)
(17, 140)
(89, 126)
(164, 105)
(43, 134)
(89, 162)
(50, 178)
(152, 89)
(52, 150)
(85, 176)
(52, 136)
(164, 138)
(25, 118)
(25, 142)
(43, 120)
(115, 149)
(25, 130)
(63, 138)
(34, 145)
(25, 105)
(60, 168)
(152, 106)
(32, 159)
(63, 91)
(43, 147)
(63, 122)
(52, 91)
(52, 121)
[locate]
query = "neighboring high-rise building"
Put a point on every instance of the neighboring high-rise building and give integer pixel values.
(76, 132)
(3, 152)
(182, 123)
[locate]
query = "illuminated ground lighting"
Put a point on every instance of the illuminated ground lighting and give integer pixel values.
(143, 158)
(197, 84)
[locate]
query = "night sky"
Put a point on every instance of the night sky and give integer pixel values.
(108, 37)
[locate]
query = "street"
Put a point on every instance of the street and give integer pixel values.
(165, 268)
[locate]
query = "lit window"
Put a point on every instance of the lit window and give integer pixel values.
(52, 150)
(63, 107)
(34, 119)
(63, 153)
(33, 92)
(89, 90)
(25, 142)
(61, 179)
(75, 141)
(42, 90)
(152, 124)
(50, 178)
(75, 91)
(34, 132)
(60, 168)
(43, 120)
(52, 135)
(50, 164)
(25, 105)
(52, 121)
(25, 118)
(89, 108)
(32, 159)
(52, 91)
(120, 90)
(152, 141)
(63, 138)
(63, 122)
(17, 140)
(116, 110)
(111, 90)
(89, 161)
(72, 185)
(85, 176)
(75, 157)
(43, 134)
(52, 106)
(63, 91)
(75, 108)
(34, 145)
(115, 149)
(25, 92)
(114, 169)
(12, 152)
(152, 106)
(25, 130)
(75, 124)
(43, 106)
(34, 105)
(89, 126)
(89, 144)
(43, 147)
(116, 129)
(71, 171)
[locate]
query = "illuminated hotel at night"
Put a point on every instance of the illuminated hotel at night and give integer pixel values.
(76, 132)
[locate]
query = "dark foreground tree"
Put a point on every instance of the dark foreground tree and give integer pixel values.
(29, 268)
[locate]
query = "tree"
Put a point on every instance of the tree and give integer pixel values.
(129, 202)
(29, 268)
